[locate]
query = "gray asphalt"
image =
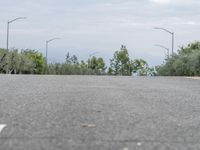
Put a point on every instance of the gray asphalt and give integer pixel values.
(99, 113)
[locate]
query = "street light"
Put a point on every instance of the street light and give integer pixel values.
(47, 42)
(158, 45)
(92, 54)
(172, 33)
(8, 25)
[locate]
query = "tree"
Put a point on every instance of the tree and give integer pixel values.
(101, 64)
(185, 63)
(3, 62)
(68, 59)
(32, 62)
(120, 64)
(97, 65)
(83, 65)
(71, 59)
(24, 62)
(141, 68)
(13, 62)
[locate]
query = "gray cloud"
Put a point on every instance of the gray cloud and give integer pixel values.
(100, 25)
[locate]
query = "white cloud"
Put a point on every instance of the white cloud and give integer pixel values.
(100, 24)
(160, 1)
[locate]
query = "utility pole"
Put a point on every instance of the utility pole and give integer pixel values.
(158, 45)
(47, 45)
(8, 26)
(172, 34)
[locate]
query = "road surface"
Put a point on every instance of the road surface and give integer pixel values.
(99, 113)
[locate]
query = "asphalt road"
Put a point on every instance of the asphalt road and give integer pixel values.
(99, 113)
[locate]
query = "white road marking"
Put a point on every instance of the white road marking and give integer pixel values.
(2, 126)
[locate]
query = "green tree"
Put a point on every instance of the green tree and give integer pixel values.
(13, 62)
(32, 62)
(120, 64)
(141, 68)
(185, 63)
(3, 62)
(71, 59)
(83, 65)
(97, 65)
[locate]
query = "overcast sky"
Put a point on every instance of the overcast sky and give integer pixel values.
(87, 26)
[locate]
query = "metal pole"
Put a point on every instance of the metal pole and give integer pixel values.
(158, 45)
(46, 55)
(7, 36)
(8, 24)
(46, 51)
(7, 68)
(172, 43)
(47, 42)
(172, 33)
(7, 39)
(168, 53)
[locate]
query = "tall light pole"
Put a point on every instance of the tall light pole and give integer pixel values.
(172, 34)
(47, 44)
(158, 45)
(8, 25)
(92, 54)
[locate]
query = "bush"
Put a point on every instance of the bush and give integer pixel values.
(185, 63)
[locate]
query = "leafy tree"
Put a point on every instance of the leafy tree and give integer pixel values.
(83, 65)
(101, 64)
(120, 64)
(3, 62)
(25, 62)
(97, 64)
(115, 65)
(34, 60)
(71, 59)
(185, 63)
(141, 68)
(13, 62)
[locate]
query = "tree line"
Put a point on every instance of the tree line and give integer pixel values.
(23, 62)
(186, 62)
(33, 62)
